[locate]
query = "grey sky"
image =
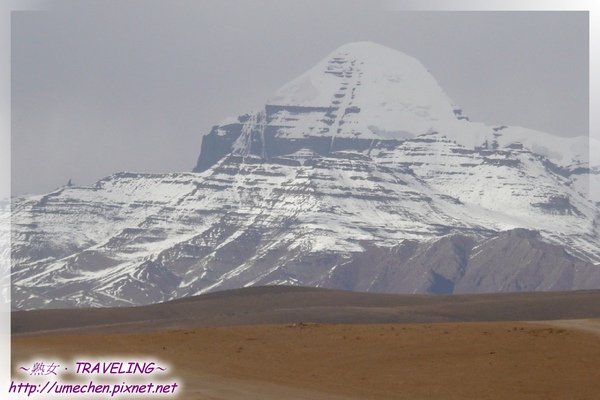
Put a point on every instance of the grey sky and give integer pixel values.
(101, 87)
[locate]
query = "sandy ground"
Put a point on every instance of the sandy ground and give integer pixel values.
(479, 360)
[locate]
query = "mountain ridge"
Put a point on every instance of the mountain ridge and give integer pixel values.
(320, 191)
(293, 304)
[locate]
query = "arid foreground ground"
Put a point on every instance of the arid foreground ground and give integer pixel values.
(280, 343)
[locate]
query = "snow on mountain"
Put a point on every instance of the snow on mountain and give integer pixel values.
(374, 89)
(370, 85)
(359, 174)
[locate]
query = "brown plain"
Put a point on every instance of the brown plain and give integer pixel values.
(558, 359)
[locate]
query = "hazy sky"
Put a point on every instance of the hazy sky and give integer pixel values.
(102, 87)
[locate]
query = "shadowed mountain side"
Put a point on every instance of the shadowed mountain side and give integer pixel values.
(288, 304)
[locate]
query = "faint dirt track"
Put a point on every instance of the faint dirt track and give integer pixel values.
(585, 325)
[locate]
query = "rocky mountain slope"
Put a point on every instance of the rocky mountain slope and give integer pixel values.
(360, 174)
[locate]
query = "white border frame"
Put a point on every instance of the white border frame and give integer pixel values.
(397, 5)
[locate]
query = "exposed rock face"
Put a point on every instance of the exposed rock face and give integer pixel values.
(515, 260)
(361, 174)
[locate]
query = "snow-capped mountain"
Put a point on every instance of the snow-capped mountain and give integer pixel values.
(360, 174)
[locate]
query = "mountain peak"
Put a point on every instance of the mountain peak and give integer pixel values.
(363, 93)
(391, 91)
(367, 50)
